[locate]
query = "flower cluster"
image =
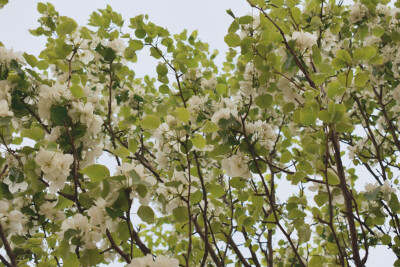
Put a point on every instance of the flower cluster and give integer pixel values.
(55, 166)
(159, 261)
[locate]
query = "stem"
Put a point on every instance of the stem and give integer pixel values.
(207, 244)
(7, 247)
(116, 248)
(110, 113)
(347, 198)
(75, 167)
(212, 252)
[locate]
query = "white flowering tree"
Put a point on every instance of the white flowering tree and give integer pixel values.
(307, 102)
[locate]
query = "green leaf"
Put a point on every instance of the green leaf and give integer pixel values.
(248, 222)
(35, 133)
(345, 56)
(316, 261)
(217, 191)
(77, 91)
(361, 79)
(359, 54)
(140, 33)
(66, 26)
(333, 179)
(230, 13)
(325, 116)
(130, 54)
(376, 60)
(75, 79)
(395, 36)
(122, 152)
(304, 233)
(199, 141)
(180, 214)
(307, 116)
(232, 39)
(182, 114)
(210, 127)
(286, 157)
(155, 53)
(394, 203)
(234, 26)
(59, 115)
(344, 127)
(146, 214)
(123, 231)
(338, 64)
(164, 89)
(316, 55)
(386, 239)
(72, 260)
(298, 177)
(90, 257)
(321, 199)
(114, 213)
(63, 203)
(42, 65)
(109, 54)
(41, 8)
(245, 19)
(237, 182)
(364, 53)
(296, 214)
(136, 45)
(378, 30)
(18, 240)
(196, 197)
(162, 69)
(30, 59)
(96, 172)
(333, 89)
(264, 101)
(150, 122)
(221, 88)
(133, 145)
(288, 107)
(141, 189)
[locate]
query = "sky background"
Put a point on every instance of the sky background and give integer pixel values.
(209, 17)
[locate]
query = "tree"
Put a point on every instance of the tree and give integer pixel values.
(309, 93)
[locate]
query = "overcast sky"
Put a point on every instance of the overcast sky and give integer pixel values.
(207, 16)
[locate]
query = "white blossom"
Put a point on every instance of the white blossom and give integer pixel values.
(386, 188)
(357, 12)
(370, 187)
(211, 83)
(224, 113)
(118, 45)
(47, 209)
(4, 109)
(6, 55)
(304, 40)
(12, 220)
(55, 166)
(235, 166)
(159, 261)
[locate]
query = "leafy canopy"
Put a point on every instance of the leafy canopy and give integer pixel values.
(291, 145)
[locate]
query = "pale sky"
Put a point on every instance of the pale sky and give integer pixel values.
(207, 16)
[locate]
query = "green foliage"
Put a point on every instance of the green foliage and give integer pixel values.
(150, 122)
(146, 214)
(293, 136)
(96, 172)
(59, 115)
